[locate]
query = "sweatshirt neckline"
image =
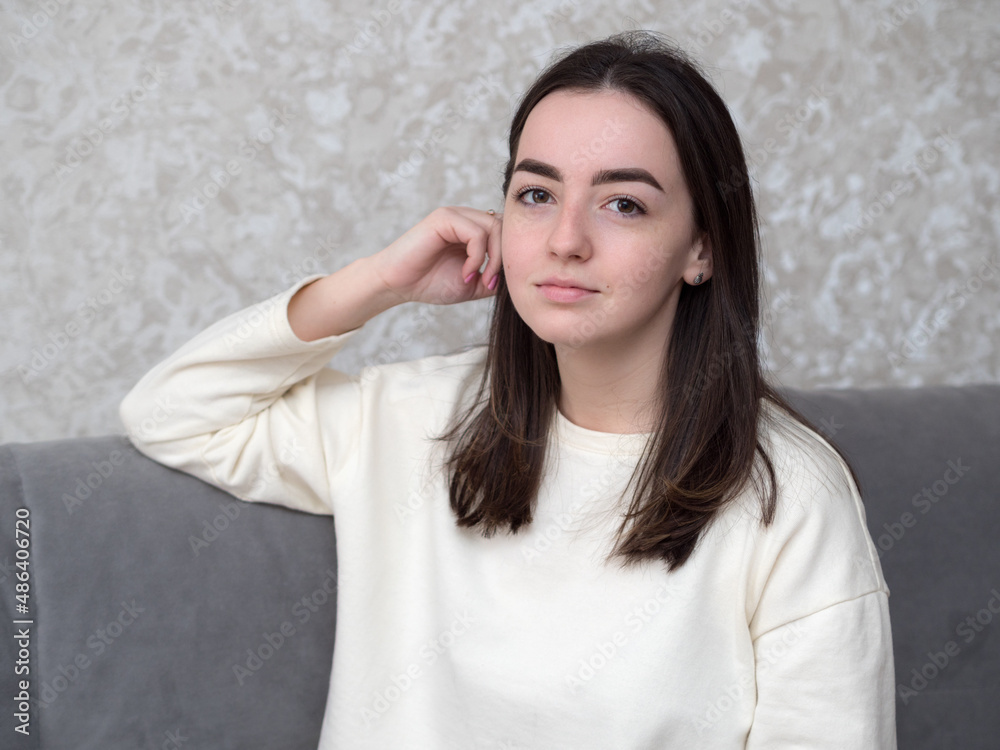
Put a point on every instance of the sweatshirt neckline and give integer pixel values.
(615, 443)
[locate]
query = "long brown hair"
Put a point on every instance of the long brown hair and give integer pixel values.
(705, 448)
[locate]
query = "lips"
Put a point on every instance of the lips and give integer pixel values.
(557, 289)
(565, 282)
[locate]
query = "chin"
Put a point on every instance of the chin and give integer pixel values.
(571, 328)
(572, 336)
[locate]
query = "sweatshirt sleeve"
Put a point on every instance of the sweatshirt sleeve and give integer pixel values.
(826, 680)
(818, 613)
(238, 406)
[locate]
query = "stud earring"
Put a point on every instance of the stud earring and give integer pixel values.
(698, 278)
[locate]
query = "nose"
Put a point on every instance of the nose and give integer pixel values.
(569, 237)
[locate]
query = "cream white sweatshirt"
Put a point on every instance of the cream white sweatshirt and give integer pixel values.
(765, 639)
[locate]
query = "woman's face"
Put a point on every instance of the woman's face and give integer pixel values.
(598, 226)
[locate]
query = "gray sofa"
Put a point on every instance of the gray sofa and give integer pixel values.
(167, 614)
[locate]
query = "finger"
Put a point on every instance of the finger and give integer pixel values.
(494, 262)
(456, 231)
(481, 217)
(476, 239)
(482, 250)
(489, 252)
(470, 269)
(471, 228)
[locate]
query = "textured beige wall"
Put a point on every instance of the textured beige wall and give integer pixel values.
(872, 128)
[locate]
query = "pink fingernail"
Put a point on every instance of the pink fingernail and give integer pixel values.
(469, 277)
(493, 282)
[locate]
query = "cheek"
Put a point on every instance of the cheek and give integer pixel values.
(644, 281)
(515, 271)
(510, 256)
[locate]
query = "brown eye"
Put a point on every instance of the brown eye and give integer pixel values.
(626, 206)
(537, 196)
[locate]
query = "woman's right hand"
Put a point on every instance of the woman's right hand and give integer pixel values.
(437, 261)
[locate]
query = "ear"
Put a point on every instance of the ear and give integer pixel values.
(700, 261)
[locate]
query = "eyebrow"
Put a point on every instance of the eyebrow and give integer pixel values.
(628, 174)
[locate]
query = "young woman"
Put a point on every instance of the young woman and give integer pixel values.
(682, 562)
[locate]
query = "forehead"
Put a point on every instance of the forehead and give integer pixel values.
(582, 132)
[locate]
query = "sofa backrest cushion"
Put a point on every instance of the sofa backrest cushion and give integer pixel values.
(928, 461)
(163, 607)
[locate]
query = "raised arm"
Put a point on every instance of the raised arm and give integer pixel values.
(238, 405)
(437, 261)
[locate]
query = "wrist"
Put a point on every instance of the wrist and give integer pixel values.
(375, 295)
(340, 302)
